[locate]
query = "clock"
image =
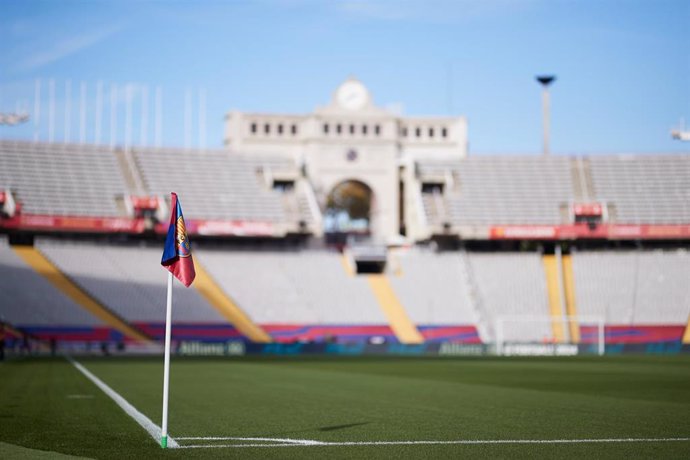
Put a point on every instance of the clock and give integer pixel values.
(352, 95)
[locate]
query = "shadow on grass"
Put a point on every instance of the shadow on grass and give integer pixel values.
(311, 430)
(342, 427)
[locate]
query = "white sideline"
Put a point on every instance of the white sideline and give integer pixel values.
(145, 422)
(311, 443)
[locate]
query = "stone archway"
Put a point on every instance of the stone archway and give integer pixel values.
(349, 208)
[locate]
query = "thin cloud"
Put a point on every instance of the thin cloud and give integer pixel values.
(66, 47)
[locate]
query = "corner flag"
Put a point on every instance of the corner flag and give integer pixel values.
(177, 254)
(177, 259)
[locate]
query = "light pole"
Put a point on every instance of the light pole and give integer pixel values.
(545, 81)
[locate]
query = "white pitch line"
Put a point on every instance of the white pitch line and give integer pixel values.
(303, 442)
(311, 443)
(145, 422)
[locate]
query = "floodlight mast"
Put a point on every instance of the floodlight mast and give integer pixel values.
(545, 81)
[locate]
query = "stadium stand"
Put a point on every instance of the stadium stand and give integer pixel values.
(663, 291)
(56, 179)
(643, 189)
(604, 285)
(634, 287)
(30, 301)
(429, 285)
(97, 181)
(512, 284)
(127, 281)
(518, 190)
(435, 295)
(293, 287)
(306, 294)
(215, 184)
(492, 190)
(299, 295)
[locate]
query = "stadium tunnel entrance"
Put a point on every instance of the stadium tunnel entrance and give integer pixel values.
(349, 211)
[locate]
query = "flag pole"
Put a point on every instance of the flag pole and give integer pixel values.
(166, 371)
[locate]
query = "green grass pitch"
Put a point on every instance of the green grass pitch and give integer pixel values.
(47, 405)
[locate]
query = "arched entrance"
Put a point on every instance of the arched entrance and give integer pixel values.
(349, 208)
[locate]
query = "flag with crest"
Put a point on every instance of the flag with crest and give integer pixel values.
(177, 254)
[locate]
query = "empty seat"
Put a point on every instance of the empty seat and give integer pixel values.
(29, 300)
(129, 280)
(62, 179)
(491, 190)
(633, 287)
(644, 189)
(213, 184)
(431, 288)
(294, 287)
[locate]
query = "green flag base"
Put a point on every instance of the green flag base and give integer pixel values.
(164, 442)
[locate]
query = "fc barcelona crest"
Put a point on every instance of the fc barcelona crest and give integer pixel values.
(184, 248)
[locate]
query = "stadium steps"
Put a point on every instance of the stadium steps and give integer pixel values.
(129, 171)
(570, 303)
(44, 267)
(400, 322)
(215, 296)
(308, 207)
(583, 189)
(553, 287)
(484, 326)
(586, 172)
(291, 206)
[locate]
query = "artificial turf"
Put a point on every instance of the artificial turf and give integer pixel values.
(47, 405)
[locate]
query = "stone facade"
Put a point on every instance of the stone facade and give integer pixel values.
(353, 139)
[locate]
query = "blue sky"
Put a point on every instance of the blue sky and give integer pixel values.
(623, 66)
